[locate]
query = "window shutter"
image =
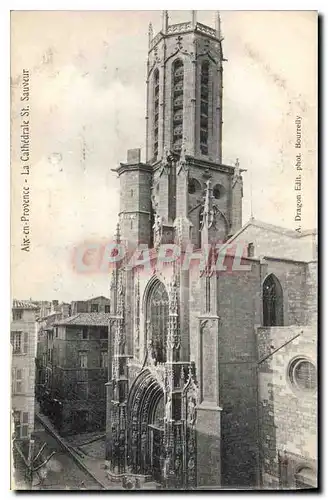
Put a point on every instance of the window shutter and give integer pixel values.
(19, 380)
(25, 342)
(24, 426)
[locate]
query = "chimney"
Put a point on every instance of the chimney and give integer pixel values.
(54, 305)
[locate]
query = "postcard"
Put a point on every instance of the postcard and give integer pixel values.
(164, 250)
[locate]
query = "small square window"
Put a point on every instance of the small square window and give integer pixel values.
(94, 308)
(17, 315)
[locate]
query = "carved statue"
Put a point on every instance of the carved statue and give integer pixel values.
(191, 413)
(151, 351)
(158, 228)
(237, 169)
(168, 409)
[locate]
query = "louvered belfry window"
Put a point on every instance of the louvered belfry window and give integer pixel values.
(177, 98)
(204, 107)
(156, 111)
(157, 319)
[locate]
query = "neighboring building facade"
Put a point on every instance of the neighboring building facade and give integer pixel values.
(185, 390)
(47, 357)
(79, 372)
(44, 357)
(23, 342)
(95, 304)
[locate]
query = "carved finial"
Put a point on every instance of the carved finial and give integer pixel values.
(218, 25)
(118, 233)
(193, 18)
(165, 21)
(150, 33)
(183, 150)
(237, 168)
(208, 208)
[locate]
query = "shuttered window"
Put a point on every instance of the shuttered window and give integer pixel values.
(21, 424)
(18, 376)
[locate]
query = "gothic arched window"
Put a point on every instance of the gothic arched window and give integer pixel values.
(272, 302)
(177, 102)
(204, 97)
(157, 317)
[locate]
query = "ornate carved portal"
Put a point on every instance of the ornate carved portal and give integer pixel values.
(145, 412)
(161, 433)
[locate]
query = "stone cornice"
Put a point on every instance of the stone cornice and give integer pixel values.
(126, 167)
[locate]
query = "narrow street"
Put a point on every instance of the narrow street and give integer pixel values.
(60, 473)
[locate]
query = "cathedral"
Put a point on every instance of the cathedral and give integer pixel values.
(190, 402)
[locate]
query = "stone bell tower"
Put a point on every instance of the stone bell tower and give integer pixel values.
(184, 131)
(184, 90)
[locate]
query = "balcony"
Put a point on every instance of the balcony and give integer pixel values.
(179, 27)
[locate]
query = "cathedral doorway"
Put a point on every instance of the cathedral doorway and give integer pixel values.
(145, 412)
(156, 428)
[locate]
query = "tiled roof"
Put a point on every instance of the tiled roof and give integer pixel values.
(86, 319)
(24, 304)
(270, 227)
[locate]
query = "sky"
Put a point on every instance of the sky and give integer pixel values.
(87, 90)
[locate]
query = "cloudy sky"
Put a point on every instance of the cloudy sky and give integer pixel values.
(87, 85)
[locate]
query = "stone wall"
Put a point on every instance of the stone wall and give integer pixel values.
(288, 416)
(24, 401)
